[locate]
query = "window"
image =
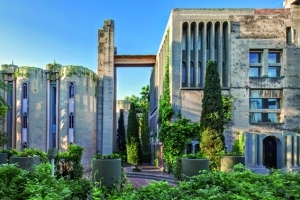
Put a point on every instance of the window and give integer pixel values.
(200, 75)
(274, 64)
(255, 64)
(265, 106)
(288, 35)
(71, 120)
(71, 90)
(24, 91)
(192, 74)
(184, 74)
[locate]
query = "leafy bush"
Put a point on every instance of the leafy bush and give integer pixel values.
(68, 163)
(133, 145)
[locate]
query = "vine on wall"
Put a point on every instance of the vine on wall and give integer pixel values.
(173, 135)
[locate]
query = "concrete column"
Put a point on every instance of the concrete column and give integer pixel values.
(48, 112)
(260, 150)
(254, 149)
(289, 156)
(264, 61)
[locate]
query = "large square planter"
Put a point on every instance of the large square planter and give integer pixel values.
(107, 171)
(191, 167)
(25, 163)
(3, 158)
(227, 162)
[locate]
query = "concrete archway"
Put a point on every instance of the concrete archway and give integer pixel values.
(270, 152)
(108, 61)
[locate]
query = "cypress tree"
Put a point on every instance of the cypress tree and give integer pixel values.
(133, 145)
(121, 141)
(145, 136)
(212, 119)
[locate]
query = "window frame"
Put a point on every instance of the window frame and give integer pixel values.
(277, 64)
(256, 65)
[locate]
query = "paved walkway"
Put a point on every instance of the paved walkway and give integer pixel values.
(148, 173)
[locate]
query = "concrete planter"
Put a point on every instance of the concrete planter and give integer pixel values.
(3, 158)
(191, 167)
(107, 171)
(227, 162)
(25, 163)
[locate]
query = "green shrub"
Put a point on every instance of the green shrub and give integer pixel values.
(68, 163)
(212, 141)
(133, 145)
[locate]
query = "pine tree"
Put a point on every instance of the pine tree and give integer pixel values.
(133, 145)
(212, 119)
(121, 141)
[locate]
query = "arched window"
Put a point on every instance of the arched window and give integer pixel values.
(184, 39)
(184, 73)
(200, 36)
(24, 90)
(192, 74)
(71, 90)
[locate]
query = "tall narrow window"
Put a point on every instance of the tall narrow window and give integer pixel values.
(184, 75)
(24, 90)
(52, 139)
(71, 120)
(255, 63)
(24, 120)
(200, 36)
(274, 64)
(200, 74)
(224, 75)
(288, 35)
(184, 37)
(71, 90)
(192, 41)
(192, 75)
(9, 115)
(225, 41)
(71, 112)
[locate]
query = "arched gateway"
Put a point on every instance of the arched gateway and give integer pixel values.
(107, 63)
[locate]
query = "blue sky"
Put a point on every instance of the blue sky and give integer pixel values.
(35, 32)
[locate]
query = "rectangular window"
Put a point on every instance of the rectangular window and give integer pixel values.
(264, 117)
(255, 64)
(274, 64)
(265, 106)
(289, 35)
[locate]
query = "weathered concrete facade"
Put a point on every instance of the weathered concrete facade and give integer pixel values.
(258, 54)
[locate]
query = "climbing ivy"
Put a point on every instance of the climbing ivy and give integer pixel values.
(173, 135)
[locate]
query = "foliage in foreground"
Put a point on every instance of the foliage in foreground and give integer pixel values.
(133, 144)
(212, 120)
(19, 184)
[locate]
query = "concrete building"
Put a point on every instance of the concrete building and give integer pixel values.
(257, 53)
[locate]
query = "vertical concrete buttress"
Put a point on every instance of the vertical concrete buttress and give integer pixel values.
(106, 90)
